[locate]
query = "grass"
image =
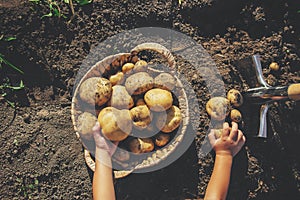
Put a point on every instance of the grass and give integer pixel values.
(26, 189)
(6, 86)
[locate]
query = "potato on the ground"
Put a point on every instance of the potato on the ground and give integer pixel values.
(274, 66)
(117, 78)
(141, 145)
(235, 115)
(158, 99)
(235, 97)
(85, 123)
(218, 108)
(115, 124)
(294, 91)
(139, 83)
(120, 98)
(141, 117)
(165, 81)
(169, 121)
(140, 66)
(95, 91)
(161, 139)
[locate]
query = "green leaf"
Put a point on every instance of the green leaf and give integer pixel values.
(66, 1)
(47, 15)
(10, 39)
(36, 182)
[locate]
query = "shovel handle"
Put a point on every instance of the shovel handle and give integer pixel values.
(294, 91)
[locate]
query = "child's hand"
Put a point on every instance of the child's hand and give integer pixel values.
(230, 142)
(102, 143)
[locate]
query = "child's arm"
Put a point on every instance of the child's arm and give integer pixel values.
(226, 147)
(103, 187)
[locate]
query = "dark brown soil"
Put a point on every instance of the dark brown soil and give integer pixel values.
(41, 158)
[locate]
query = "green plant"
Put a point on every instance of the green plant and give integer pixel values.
(6, 84)
(25, 189)
(55, 6)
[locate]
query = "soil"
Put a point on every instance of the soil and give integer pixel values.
(41, 157)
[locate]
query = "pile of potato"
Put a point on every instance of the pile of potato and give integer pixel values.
(220, 107)
(132, 100)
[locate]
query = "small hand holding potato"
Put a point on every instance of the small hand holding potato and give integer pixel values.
(169, 122)
(95, 91)
(141, 116)
(116, 124)
(141, 145)
(218, 108)
(139, 83)
(158, 100)
(165, 81)
(235, 97)
(120, 98)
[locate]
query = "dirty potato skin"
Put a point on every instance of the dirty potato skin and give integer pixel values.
(138, 83)
(218, 108)
(235, 97)
(165, 81)
(141, 117)
(141, 145)
(120, 98)
(235, 115)
(158, 99)
(85, 123)
(140, 66)
(115, 124)
(95, 91)
(161, 139)
(170, 121)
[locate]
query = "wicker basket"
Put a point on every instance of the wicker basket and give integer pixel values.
(103, 68)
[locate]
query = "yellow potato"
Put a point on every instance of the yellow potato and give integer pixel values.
(141, 117)
(115, 124)
(235, 97)
(169, 121)
(138, 83)
(161, 139)
(218, 108)
(85, 123)
(158, 99)
(120, 98)
(141, 145)
(235, 115)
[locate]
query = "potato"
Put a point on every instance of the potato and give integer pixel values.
(161, 139)
(235, 115)
(115, 124)
(85, 123)
(170, 121)
(118, 78)
(95, 91)
(127, 68)
(218, 108)
(141, 117)
(235, 97)
(165, 81)
(274, 66)
(141, 145)
(120, 98)
(139, 83)
(158, 99)
(140, 66)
